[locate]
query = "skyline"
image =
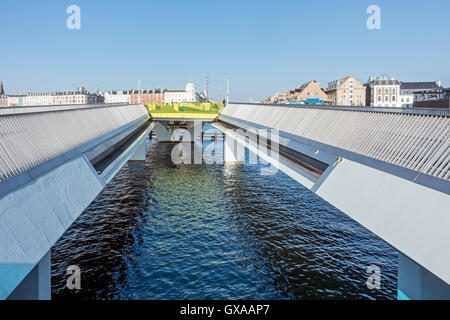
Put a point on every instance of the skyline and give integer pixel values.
(259, 46)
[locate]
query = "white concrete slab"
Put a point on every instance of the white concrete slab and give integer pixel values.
(34, 217)
(412, 218)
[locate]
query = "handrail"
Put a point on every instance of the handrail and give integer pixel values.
(4, 111)
(412, 140)
(28, 140)
(419, 111)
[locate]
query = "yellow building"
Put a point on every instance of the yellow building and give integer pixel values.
(348, 91)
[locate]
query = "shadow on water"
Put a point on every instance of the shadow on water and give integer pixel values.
(165, 231)
(311, 249)
(102, 238)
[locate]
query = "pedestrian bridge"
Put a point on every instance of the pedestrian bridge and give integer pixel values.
(388, 169)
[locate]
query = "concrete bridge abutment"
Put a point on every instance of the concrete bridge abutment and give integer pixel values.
(37, 284)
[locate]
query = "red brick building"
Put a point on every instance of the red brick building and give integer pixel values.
(155, 95)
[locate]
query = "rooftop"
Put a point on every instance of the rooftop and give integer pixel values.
(385, 83)
(420, 86)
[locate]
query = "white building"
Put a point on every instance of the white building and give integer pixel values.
(38, 99)
(187, 95)
(423, 91)
(406, 99)
(74, 98)
(118, 96)
(53, 98)
(384, 92)
(15, 101)
(347, 91)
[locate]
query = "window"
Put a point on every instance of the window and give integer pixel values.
(386, 98)
(379, 98)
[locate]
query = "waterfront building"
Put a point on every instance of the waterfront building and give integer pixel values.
(187, 95)
(309, 93)
(51, 98)
(81, 96)
(118, 96)
(279, 97)
(383, 92)
(423, 91)
(15, 100)
(147, 96)
(406, 95)
(3, 101)
(156, 95)
(406, 99)
(348, 91)
(441, 103)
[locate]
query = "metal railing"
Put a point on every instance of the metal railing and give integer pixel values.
(30, 139)
(421, 111)
(417, 141)
(36, 109)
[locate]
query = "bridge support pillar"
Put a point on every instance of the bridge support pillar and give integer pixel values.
(162, 132)
(233, 151)
(37, 285)
(417, 283)
(191, 133)
(140, 153)
(194, 133)
(184, 134)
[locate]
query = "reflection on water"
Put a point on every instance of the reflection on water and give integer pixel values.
(161, 231)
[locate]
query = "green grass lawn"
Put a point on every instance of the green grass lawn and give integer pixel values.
(215, 109)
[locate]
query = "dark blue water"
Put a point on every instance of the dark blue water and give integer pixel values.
(161, 231)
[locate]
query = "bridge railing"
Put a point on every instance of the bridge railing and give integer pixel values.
(36, 109)
(420, 111)
(415, 139)
(28, 140)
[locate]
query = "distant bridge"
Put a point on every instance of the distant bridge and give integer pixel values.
(168, 117)
(388, 169)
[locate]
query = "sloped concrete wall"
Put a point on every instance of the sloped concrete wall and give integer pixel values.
(33, 218)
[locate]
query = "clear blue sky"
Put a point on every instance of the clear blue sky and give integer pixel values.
(261, 46)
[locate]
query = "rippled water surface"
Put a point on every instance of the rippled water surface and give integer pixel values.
(161, 231)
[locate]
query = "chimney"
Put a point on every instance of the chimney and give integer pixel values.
(2, 92)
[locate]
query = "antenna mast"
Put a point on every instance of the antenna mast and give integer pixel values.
(207, 88)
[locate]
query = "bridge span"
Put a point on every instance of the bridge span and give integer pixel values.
(54, 161)
(388, 169)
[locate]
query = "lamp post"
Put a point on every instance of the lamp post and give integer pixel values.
(139, 91)
(228, 90)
